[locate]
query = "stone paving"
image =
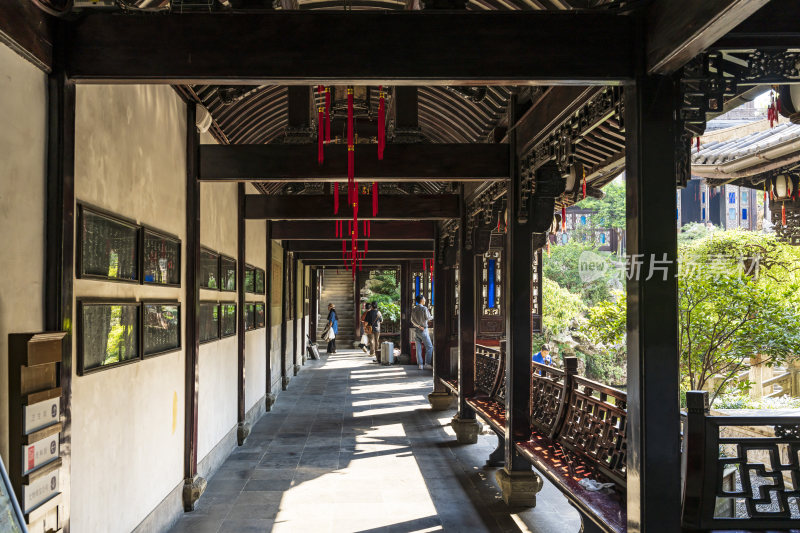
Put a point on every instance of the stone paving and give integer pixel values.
(352, 446)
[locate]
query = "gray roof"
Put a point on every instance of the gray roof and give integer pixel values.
(718, 152)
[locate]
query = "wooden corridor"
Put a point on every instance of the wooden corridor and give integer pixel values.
(354, 447)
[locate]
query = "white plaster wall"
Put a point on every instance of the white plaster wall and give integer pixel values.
(255, 340)
(23, 153)
(127, 433)
(218, 389)
(217, 395)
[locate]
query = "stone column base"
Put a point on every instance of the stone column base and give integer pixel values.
(441, 401)
(242, 432)
(296, 369)
(193, 488)
(269, 401)
(285, 382)
(519, 488)
(466, 430)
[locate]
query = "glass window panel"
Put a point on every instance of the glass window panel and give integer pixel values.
(209, 321)
(209, 269)
(162, 328)
(162, 263)
(227, 274)
(108, 247)
(228, 325)
(109, 335)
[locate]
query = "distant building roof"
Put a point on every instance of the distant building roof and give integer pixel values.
(716, 152)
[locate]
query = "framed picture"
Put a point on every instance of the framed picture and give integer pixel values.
(161, 258)
(250, 316)
(209, 269)
(228, 325)
(108, 246)
(109, 334)
(209, 321)
(249, 279)
(260, 316)
(258, 281)
(275, 284)
(227, 273)
(161, 332)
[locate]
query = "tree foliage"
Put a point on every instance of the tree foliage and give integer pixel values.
(562, 267)
(737, 300)
(610, 210)
(559, 308)
(383, 288)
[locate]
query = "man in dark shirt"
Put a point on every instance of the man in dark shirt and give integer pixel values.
(373, 319)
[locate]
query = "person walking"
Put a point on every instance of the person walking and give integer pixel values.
(364, 344)
(372, 325)
(420, 316)
(333, 328)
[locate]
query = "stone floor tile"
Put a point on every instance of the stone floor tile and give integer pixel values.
(352, 446)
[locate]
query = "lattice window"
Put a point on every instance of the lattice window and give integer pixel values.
(536, 292)
(491, 283)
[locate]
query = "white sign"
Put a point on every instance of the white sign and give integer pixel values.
(40, 490)
(40, 415)
(40, 452)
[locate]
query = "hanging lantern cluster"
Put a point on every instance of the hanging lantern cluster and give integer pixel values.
(352, 257)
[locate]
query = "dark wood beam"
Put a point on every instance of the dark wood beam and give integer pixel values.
(678, 31)
(338, 263)
(406, 107)
(321, 231)
(550, 111)
(459, 48)
(773, 26)
(401, 162)
(28, 31)
(299, 103)
(320, 207)
(374, 246)
(371, 255)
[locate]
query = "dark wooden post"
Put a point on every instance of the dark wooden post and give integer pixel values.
(405, 312)
(60, 252)
(312, 305)
(464, 423)
(243, 428)
(284, 308)
(654, 495)
(440, 351)
(268, 314)
(518, 483)
(295, 265)
(194, 485)
(302, 313)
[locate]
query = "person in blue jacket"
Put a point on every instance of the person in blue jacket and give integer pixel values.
(543, 356)
(333, 324)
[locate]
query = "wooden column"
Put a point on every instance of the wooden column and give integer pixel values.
(295, 265)
(517, 290)
(302, 314)
(60, 252)
(405, 311)
(312, 305)
(284, 308)
(654, 489)
(441, 355)
(243, 430)
(194, 485)
(268, 313)
(466, 318)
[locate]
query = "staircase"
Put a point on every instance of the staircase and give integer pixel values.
(337, 288)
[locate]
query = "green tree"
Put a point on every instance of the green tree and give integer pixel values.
(559, 308)
(737, 300)
(605, 326)
(382, 287)
(562, 267)
(609, 210)
(695, 231)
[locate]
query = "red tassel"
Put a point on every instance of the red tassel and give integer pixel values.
(350, 145)
(349, 228)
(366, 247)
(424, 265)
(374, 198)
(320, 137)
(381, 123)
(369, 228)
(563, 218)
(583, 185)
(327, 114)
(783, 214)
(698, 144)
(335, 198)
(364, 230)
